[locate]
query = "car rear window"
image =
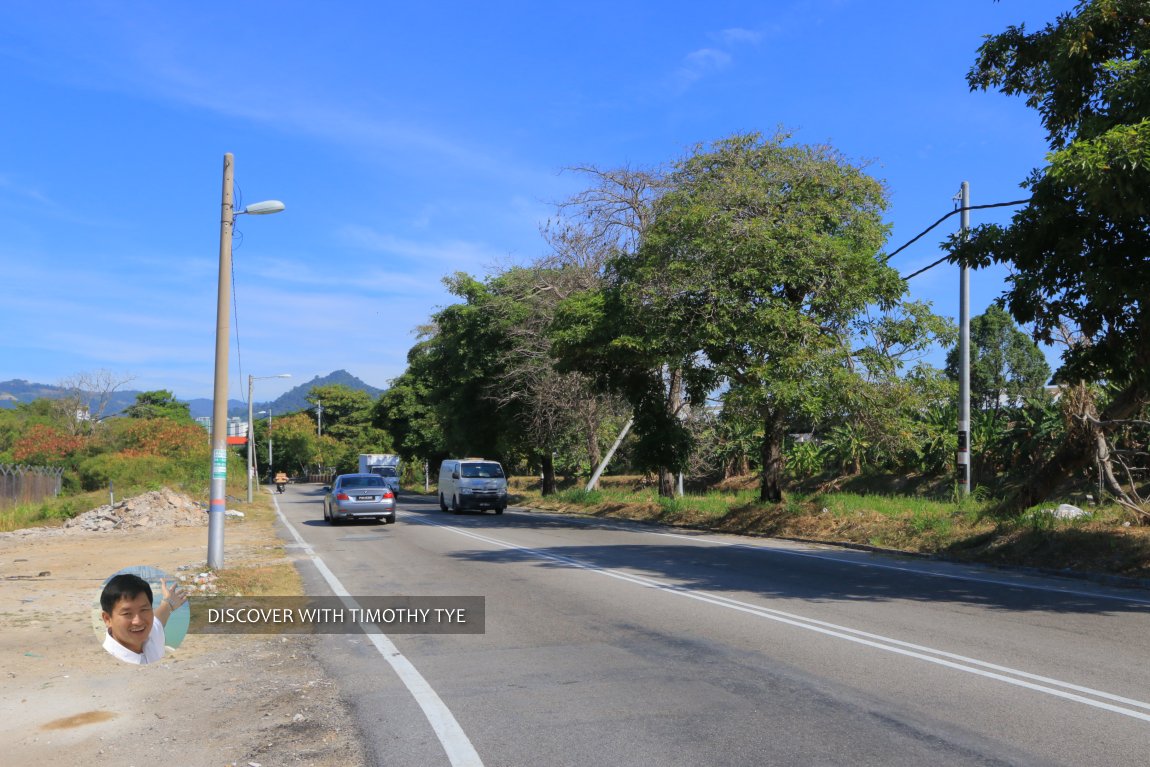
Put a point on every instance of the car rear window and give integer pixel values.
(481, 470)
(362, 482)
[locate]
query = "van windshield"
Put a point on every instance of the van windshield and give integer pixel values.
(384, 471)
(478, 470)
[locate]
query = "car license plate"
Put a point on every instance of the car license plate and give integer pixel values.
(365, 497)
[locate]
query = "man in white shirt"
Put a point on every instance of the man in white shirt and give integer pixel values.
(135, 629)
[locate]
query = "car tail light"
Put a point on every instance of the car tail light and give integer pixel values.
(388, 494)
(343, 497)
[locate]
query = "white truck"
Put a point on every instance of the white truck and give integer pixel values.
(383, 464)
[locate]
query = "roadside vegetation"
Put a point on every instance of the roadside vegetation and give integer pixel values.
(963, 529)
(733, 317)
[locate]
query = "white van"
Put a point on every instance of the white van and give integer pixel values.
(472, 483)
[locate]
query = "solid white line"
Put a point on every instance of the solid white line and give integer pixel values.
(829, 558)
(938, 657)
(899, 568)
(451, 736)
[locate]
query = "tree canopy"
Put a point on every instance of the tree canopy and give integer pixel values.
(158, 404)
(1078, 249)
(1005, 364)
(1085, 232)
(759, 271)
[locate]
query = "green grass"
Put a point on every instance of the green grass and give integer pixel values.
(958, 527)
(48, 513)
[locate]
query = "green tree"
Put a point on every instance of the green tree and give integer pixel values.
(461, 360)
(348, 419)
(1075, 246)
(760, 262)
(295, 444)
(1006, 366)
(158, 404)
(592, 333)
(405, 411)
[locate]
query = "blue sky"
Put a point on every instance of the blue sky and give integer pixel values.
(409, 141)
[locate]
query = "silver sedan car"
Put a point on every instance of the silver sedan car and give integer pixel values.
(358, 496)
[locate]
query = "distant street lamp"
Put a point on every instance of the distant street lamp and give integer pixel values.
(218, 492)
(252, 430)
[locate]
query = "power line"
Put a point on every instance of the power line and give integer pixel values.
(924, 232)
(925, 268)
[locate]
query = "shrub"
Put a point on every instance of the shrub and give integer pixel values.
(143, 472)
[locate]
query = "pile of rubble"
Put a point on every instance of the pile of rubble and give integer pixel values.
(159, 508)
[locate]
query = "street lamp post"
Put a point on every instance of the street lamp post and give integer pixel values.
(219, 466)
(252, 430)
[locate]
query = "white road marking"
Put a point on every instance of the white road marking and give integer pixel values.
(1005, 674)
(900, 568)
(454, 740)
(767, 549)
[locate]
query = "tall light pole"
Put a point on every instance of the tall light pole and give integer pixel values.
(252, 430)
(218, 491)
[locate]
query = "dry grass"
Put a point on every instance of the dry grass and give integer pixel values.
(1107, 541)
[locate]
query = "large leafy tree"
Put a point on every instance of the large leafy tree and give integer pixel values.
(758, 270)
(462, 355)
(595, 333)
(1079, 248)
(407, 413)
(1006, 366)
(158, 404)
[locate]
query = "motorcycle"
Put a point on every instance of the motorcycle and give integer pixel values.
(279, 487)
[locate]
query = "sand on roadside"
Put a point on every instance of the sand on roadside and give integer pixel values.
(216, 700)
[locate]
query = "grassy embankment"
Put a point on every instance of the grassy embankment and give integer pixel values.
(1107, 541)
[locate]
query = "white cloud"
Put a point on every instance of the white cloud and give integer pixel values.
(736, 35)
(699, 64)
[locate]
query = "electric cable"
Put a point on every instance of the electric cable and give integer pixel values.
(924, 232)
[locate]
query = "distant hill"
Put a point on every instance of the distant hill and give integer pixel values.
(18, 390)
(291, 401)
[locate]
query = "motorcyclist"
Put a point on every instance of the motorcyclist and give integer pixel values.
(281, 480)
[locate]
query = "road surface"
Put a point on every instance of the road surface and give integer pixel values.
(613, 643)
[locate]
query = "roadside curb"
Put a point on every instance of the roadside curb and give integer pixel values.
(1104, 579)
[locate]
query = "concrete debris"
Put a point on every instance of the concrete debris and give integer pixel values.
(159, 508)
(1066, 511)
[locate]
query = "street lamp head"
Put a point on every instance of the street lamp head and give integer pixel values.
(263, 208)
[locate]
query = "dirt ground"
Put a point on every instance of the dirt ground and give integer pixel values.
(216, 700)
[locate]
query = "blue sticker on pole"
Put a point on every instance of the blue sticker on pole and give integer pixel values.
(220, 464)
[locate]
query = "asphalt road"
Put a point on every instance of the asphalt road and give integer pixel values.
(611, 643)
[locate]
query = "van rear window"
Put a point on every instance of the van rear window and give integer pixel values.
(481, 470)
(361, 481)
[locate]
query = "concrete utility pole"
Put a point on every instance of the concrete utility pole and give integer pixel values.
(252, 432)
(607, 458)
(963, 457)
(219, 482)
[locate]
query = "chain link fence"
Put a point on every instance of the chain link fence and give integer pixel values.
(28, 484)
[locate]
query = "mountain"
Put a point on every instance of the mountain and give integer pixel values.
(295, 400)
(18, 390)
